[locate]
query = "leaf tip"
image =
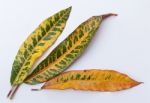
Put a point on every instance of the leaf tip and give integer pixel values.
(137, 83)
(69, 8)
(140, 83)
(108, 15)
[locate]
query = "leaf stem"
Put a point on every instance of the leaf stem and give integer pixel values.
(12, 91)
(35, 89)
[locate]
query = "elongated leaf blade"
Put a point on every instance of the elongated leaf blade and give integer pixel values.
(94, 80)
(66, 52)
(37, 43)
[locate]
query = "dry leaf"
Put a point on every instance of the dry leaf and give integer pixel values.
(94, 80)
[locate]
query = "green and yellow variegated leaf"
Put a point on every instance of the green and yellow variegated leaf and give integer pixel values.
(94, 80)
(66, 52)
(36, 44)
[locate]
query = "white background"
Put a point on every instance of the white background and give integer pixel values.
(122, 43)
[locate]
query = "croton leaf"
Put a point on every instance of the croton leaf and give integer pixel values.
(36, 44)
(67, 51)
(94, 80)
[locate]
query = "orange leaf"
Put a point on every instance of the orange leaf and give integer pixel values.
(95, 80)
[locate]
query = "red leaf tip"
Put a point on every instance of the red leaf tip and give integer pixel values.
(108, 15)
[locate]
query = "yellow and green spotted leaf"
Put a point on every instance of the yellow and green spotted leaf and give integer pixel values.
(37, 43)
(94, 80)
(66, 52)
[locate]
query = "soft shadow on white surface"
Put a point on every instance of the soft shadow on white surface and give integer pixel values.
(121, 43)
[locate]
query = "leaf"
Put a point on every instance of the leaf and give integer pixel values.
(94, 80)
(36, 44)
(67, 51)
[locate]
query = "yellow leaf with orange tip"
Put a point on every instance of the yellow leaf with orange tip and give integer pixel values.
(94, 80)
